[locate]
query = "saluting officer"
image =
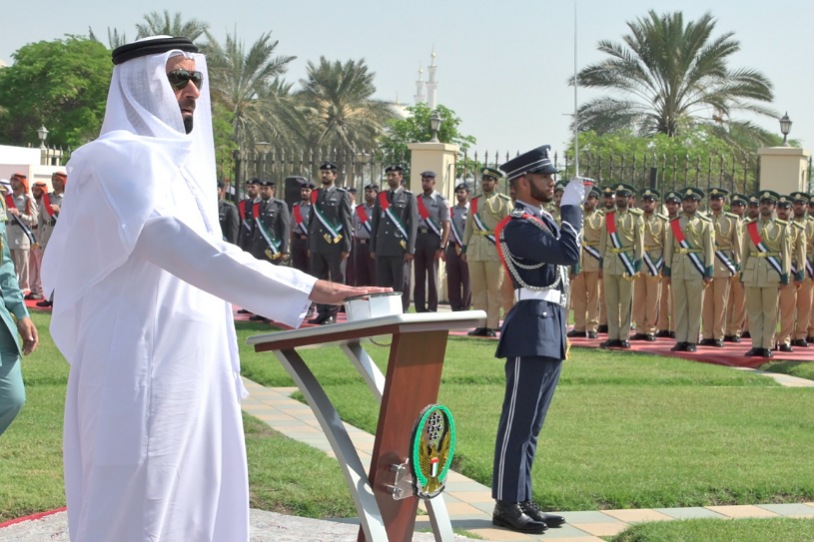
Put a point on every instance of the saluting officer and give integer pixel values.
(608, 205)
(480, 253)
(329, 235)
(585, 283)
(806, 290)
(766, 253)
(395, 226)
(433, 236)
(647, 289)
(688, 257)
(672, 202)
(271, 226)
(300, 217)
(727, 238)
(536, 252)
(458, 289)
(362, 226)
(736, 310)
(787, 303)
(621, 247)
(246, 208)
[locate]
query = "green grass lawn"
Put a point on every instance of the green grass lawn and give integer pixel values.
(625, 431)
(742, 530)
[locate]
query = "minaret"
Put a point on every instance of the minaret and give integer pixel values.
(419, 87)
(432, 84)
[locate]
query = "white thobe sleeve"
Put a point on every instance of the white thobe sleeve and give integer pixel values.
(226, 271)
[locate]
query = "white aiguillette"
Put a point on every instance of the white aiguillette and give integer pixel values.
(363, 307)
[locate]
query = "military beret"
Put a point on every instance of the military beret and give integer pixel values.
(491, 173)
(649, 193)
(672, 196)
(623, 189)
(462, 186)
(717, 193)
(394, 167)
(768, 195)
(373, 186)
(328, 166)
(739, 199)
(692, 193)
(534, 161)
(784, 201)
(800, 197)
(428, 173)
(255, 180)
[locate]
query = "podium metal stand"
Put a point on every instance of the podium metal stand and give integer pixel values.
(413, 377)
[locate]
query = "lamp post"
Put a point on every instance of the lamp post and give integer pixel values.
(435, 125)
(785, 128)
(42, 133)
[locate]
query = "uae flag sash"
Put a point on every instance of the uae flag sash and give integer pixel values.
(653, 267)
(757, 240)
(425, 215)
(333, 235)
(46, 202)
(17, 220)
(473, 207)
(363, 218)
(241, 207)
(678, 233)
(456, 235)
(385, 205)
(610, 224)
(299, 220)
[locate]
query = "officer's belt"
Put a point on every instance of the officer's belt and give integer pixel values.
(362, 241)
(764, 254)
(620, 250)
(423, 229)
(483, 232)
(719, 247)
(689, 250)
(552, 296)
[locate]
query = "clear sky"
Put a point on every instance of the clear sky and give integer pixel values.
(503, 66)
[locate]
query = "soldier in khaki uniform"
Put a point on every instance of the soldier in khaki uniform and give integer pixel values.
(688, 257)
(727, 238)
(787, 302)
(666, 322)
(608, 205)
(585, 279)
(621, 246)
(647, 289)
(736, 309)
(766, 256)
(810, 337)
(805, 293)
(752, 213)
(480, 252)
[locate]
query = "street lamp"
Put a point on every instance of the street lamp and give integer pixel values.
(42, 133)
(785, 128)
(262, 147)
(435, 124)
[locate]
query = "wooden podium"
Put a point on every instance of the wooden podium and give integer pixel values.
(413, 377)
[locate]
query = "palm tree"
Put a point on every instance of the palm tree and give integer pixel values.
(339, 106)
(668, 77)
(156, 24)
(249, 85)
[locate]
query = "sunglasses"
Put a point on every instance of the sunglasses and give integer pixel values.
(179, 79)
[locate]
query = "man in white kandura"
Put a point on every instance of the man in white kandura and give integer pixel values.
(154, 446)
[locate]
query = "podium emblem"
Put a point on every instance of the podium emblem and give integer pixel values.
(432, 451)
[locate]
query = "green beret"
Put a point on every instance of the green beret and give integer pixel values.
(491, 172)
(623, 189)
(739, 199)
(649, 193)
(718, 193)
(692, 193)
(768, 195)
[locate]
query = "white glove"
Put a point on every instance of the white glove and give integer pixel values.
(575, 190)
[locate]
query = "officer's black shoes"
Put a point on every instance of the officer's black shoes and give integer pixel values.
(679, 347)
(639, 337)
(328, 320)
(663, 334)
(689, 347)
(477, 332)
(536, 514)
(46, 303)
(610, 343)
(746, 335)
(593, 334)
(258, 318)
(243, 311)
(323, 320)
(707, 342)
(810, 340)
(766, 353)
(318, 320)
(752, 352)
(623, 344)
(786, 348)
(602, 329)
(489, 332)
(511, 516)
(575, 333)
(732, 339)
(802, 343)
(718, 343)
(650, 338)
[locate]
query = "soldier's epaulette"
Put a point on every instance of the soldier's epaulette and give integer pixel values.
(636, 211)
(663, 217)
(341, 188)
(749, 220)
(732, 215)
(517, 212)
(781, 222)
(802, 227)
(504, 196)
(706, 218)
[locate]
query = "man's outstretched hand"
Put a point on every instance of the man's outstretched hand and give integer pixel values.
(332, 293)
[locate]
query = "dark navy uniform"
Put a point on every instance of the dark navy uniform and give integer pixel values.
(229, 221)
(299, 236)
(428, 243)
(271, 231)
(329, 235)
(365, 266)
(389, 242)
